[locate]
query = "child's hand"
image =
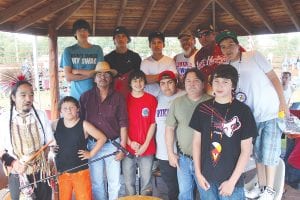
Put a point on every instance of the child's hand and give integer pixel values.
(226, 188)
(203, 182)
(119, 156)
(83, 154)
(134, 145)
(141, 150)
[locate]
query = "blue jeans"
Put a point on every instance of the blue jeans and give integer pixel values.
(112, 169)
(145, 170)
(186, 178)
(213, 193)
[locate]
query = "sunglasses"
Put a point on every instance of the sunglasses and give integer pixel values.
(205, 33)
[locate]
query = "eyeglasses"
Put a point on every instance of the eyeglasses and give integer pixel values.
(103, 74)
(205, 33)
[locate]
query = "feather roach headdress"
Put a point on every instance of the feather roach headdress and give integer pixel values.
(8, 80)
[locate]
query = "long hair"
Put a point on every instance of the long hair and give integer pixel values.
(13, 92)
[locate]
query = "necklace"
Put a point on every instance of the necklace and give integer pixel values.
(241, 96)
(218, 116)
(217, 146)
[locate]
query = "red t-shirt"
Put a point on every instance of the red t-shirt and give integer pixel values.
(294, 158)
(141, 114)
(208, 58)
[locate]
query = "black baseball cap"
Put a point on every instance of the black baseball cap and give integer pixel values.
(121, 30)
(156, 34)
(204, 29)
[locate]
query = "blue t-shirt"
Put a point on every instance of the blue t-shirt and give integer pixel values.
(81, 58)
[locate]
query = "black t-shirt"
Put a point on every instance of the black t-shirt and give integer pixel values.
(123, 62)
(222, 133)
(70, 140)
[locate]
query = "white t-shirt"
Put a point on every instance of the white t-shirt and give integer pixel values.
(162, 110)
(261, 95)
(183, 63)
(151, 67)
(288, 93)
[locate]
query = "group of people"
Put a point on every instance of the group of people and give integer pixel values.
(199, 114)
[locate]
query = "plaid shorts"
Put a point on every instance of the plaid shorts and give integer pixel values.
(267, 147)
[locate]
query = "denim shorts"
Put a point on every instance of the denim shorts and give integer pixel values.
(213, 193)
(267, 147)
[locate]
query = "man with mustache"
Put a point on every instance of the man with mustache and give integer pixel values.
(177, 129)
(185, 60)
(24, 131)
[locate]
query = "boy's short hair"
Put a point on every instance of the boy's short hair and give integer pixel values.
(136, 74)
(226, 71)
(79, 24)
(68, 99)
(198, 73)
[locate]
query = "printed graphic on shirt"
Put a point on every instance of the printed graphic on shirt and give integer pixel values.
(220, 126)
(215, 152)
(162, 112)
(183, 66)
(145, 112)
(210, 60)
(231, 126)
(84, 59)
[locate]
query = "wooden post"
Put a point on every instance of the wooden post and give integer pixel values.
(53, 70)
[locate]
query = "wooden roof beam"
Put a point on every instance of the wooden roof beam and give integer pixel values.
(121, 12)
(230, 10)
(94, 17)
(262, 15)
(291, 12)
(195, 13)
(171, 14)
(54, 7)
(146, 15)
(68, 12)
(17, 8)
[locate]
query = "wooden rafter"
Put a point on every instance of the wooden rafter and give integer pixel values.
(262, 15)
(230, 10)
(121, 12)
(195, 13)
(68, 12)
(54, 7)
(18, 8)
(150, 7)
(94, 16)
(171, 14)
(292, 14)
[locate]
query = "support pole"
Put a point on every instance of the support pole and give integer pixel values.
(53, 72)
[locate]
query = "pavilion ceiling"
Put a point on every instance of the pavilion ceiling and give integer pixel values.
(142, 16)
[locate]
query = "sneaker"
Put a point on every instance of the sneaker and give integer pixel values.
(254, 192)
(268, 194)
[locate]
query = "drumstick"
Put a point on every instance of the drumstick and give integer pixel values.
(38, 152)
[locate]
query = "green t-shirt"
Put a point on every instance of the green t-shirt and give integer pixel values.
(179, 116)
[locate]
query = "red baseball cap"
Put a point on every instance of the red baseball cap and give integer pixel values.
(166, 75)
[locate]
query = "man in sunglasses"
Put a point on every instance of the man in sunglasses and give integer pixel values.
(210, 55)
